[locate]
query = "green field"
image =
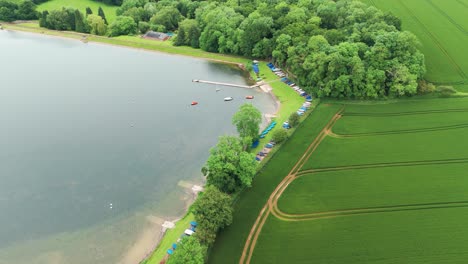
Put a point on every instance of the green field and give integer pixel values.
(384, 183)
(442, 28)
(81, 5)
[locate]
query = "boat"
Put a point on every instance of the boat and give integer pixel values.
(249, 97)
(217, 89)
(228, 98)
(194, 103)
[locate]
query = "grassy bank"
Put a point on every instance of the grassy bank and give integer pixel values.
(109, 10)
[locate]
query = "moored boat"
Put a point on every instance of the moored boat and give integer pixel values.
(194, 103)
(228, 98)
(249, 97)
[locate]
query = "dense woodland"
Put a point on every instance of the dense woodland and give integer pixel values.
(340, 49)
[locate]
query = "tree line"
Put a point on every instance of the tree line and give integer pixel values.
(229, 168)
(10, 11)
(339, 49)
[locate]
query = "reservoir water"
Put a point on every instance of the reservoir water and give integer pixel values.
(99, 145)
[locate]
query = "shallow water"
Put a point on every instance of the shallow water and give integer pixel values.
(84, 126)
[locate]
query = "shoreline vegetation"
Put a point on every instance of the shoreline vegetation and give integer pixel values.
(285, 99)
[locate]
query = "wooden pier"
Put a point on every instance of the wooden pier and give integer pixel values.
(226, 84)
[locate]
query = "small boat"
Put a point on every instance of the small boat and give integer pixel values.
(249, 97)
(228, 98)
(217, 89)
(195, 80)
(194, 103)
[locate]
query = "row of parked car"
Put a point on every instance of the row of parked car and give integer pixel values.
(275, 70)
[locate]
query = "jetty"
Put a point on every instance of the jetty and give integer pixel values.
(226, 84)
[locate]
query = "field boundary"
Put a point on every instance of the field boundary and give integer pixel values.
(403, 131)
(383, 165)
(439, 111)
(267, 208)
(370, 210)
(461, 3)
(440, 11)
(439, 45)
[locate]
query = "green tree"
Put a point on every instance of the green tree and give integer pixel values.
(279, 135)
(213, 212)
(80, 25)
(168, 17)
(293, 119)
(26, 11)
(96, 25)
(181, 39)
(102, 15)
(43, 19)
(143, 27)
(58, 20)
(229, 167)
(8, 11)
(88, 11)
(123, 25)
(247, 121)
(189, 251)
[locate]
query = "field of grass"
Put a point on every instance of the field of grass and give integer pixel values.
(376, 187)
(396, 197)
(442, 28)
(410, 237)
(81, 5)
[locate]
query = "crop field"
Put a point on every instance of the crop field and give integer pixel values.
(375, 183)
(442, 28)
(81, 5)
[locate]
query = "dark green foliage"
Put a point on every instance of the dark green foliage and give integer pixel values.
(10, 11)
(111, 2)
(43, 19)
(26, 11)
(58, 20)
(229, 167)
(169, 17)
(123, 25)
(189, 33)
(279, 135)
(102, 15)
(293, 119)
(89, 11)
(213, 212)
(143, 27)
(189, 251)
(80, 25)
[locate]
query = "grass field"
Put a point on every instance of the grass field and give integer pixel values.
(442, 28)
(377, 183)
(81, 5)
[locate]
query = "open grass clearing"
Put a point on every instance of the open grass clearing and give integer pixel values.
(376, 187)
(426, 236)
(109, 10)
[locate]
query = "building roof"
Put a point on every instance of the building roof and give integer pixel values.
(156, 35)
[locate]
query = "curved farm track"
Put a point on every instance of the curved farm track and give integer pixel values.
(271, 206)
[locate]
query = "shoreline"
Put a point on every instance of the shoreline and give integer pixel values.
(240, 62)
(101, 40)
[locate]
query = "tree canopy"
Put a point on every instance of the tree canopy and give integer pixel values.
(229, 167)
(247, 121)
(213, 211)
(189, 251)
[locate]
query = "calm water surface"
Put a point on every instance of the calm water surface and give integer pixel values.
(87, 125)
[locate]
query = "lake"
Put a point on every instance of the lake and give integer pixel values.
(99, 145)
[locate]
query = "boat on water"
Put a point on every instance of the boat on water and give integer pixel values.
(228, 98)
(249, 97)
(194, 103)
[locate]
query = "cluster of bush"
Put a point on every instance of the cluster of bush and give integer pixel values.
(10, 11)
